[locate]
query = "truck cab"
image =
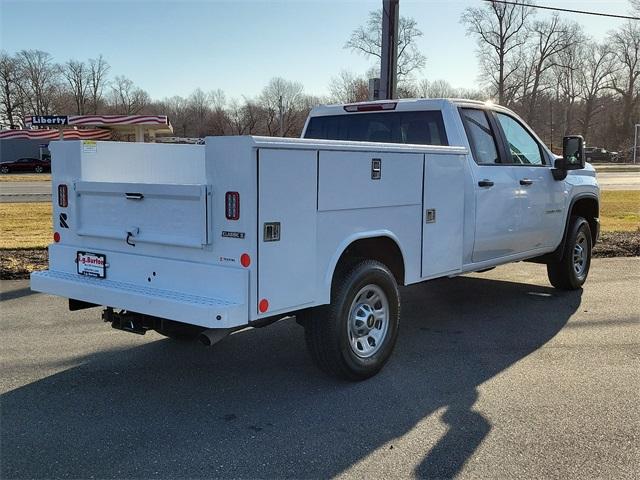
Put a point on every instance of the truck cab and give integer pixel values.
(202, 240)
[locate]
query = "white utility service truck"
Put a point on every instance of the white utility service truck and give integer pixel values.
(201, 240)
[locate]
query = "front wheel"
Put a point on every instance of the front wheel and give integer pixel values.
(39, 169)
(353, 337)
(4, 169)
(571, 271)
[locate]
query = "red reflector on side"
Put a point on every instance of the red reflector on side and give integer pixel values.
(232, 205)
(63, 196)
(263, 306)
(56, 237)
(245, 260)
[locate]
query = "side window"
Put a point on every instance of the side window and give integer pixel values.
(523, 147)
(480, 136)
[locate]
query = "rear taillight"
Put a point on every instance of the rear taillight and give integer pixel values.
(232, 205)
(63, 195)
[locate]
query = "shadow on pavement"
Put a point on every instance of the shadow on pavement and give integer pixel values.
(17, 293)
(255, 406)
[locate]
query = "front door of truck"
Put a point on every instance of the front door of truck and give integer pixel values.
(541, 198)
(496, 218)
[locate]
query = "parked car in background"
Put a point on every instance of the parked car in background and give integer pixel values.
(596, 154)
(26, 165)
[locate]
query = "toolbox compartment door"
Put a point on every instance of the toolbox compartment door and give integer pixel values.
(443, 215)
(287, 186)
(165, 214)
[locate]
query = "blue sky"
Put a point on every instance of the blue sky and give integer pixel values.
(172, 47)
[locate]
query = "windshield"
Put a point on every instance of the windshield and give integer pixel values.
(420, 127)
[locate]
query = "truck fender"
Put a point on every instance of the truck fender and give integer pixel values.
(333, 262)
(557, 253)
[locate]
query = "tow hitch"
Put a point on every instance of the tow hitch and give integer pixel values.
(128, 321)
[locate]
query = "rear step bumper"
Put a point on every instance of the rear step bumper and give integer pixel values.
(194, 309)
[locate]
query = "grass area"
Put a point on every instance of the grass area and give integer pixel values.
(25, 225)
(28, 177)
(620, 210)
(28, 225)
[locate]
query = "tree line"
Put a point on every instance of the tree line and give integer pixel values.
(548, 70)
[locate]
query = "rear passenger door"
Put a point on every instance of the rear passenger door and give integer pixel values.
(496, 216)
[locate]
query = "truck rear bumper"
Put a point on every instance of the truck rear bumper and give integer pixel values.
(197, 310)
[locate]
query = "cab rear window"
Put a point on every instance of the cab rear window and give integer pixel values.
(420, 128)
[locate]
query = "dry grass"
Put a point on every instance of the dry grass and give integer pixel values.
(28, 225)
(620, 210)
(25, 225)
(28, 177)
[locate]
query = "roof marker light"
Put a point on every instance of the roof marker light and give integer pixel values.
(370, 107)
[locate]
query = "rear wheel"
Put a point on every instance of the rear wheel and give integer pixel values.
(4, 169)
(39, 169)
(571, 271)
(353, 337)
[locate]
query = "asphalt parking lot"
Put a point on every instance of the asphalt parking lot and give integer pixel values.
(495, 375)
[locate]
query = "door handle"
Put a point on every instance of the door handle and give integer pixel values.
(526, 181)
(134, 196)
(485, 183)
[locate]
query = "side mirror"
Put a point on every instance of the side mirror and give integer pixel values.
(572, 153)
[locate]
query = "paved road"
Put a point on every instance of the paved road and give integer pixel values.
(619, 180)
(25, 191)
(494, 376)
(41, 191)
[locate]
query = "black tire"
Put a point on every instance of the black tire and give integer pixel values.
(183, 332)
(4, 169)
(39, 169)
(328, 329)
(572, 270)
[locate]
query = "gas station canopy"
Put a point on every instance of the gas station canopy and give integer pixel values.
(73, 127)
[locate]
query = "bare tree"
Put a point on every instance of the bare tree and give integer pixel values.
(281, 101)
(39, 80)
(436, 89)
(218, 121)
(500, 30)
(595, 76)
(10, 100)
(199, 108)
(348, 88)
(243, 117)
(127, 99)
(177, 109)
(548, 39)
(77, 75)
(625, 44)
(98, 70)
(367, 40)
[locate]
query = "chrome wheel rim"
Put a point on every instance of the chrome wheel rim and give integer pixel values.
(580, 254)
(368, 322)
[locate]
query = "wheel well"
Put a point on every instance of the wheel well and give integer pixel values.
(588, 209)
(382, 249)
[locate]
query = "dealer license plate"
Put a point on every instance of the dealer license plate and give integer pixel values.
(91, 264)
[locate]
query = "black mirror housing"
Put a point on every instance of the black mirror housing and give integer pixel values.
(572, 153)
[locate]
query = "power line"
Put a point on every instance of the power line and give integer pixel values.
(557, 9)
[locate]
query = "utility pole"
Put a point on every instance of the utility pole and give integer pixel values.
(281, 112)
(635, 143)
(389, 57)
